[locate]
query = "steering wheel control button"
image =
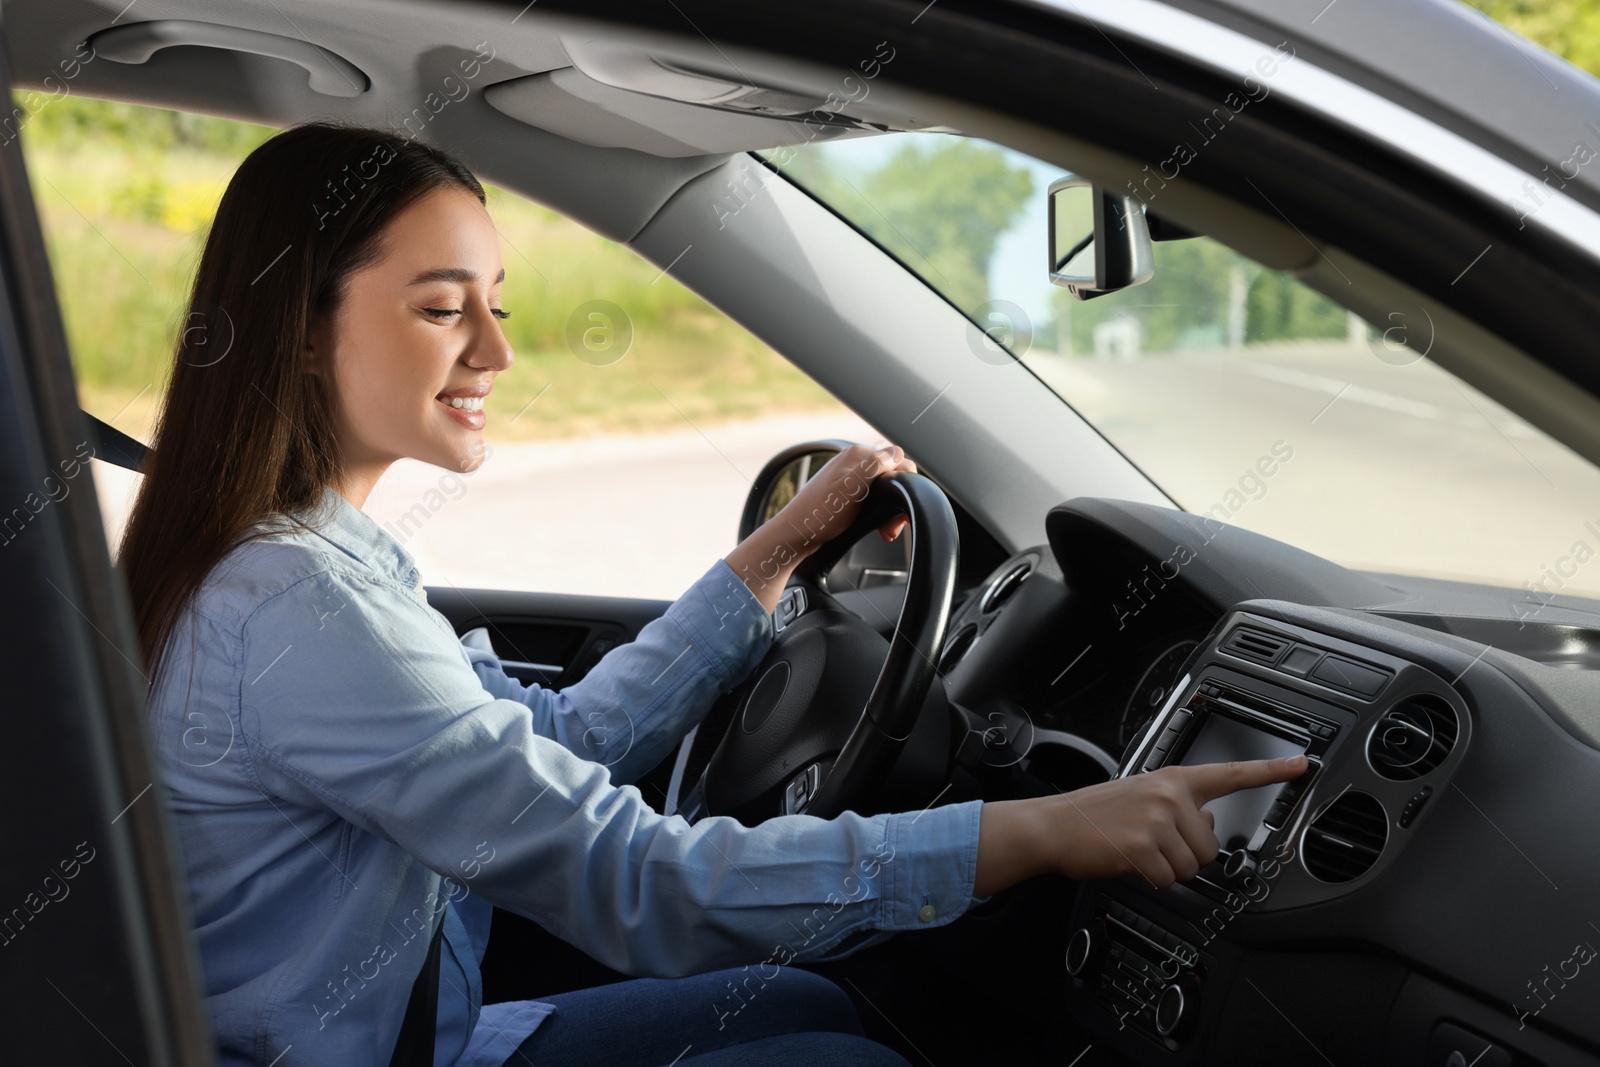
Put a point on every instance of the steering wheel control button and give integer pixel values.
(1352, 677)
(765, 696)
(790, 607)
(802, 789)
(926, 913)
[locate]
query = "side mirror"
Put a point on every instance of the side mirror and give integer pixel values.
(1099, 241)
(781, 479)
(870, 563)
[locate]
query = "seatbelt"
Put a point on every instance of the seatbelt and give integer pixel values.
(415, 1046)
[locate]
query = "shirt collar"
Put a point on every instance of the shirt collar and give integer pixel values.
(352, 531)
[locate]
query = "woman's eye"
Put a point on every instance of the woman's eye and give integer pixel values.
(442, 313)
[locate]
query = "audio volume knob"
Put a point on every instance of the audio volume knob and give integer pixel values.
(1176, 1009)
(1085, 949)
(1238, 865)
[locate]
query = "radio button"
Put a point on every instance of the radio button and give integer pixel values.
(1300, 659)
(1176, 1009)
(1085, 949)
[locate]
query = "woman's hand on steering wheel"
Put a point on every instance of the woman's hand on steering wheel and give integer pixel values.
(820, 510)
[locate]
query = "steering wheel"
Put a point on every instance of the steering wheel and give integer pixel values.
(824, 715)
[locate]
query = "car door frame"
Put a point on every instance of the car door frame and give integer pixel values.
(97, 935)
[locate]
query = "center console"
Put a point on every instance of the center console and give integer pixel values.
(1381, 735)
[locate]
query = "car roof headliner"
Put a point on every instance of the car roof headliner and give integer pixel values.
(1430, 54)
(613, 190)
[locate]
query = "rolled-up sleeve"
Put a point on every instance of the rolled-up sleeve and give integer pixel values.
(370, 710)
(642, 697)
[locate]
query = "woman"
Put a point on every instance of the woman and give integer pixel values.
(349, 783)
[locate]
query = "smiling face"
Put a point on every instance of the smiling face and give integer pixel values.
(416, 343)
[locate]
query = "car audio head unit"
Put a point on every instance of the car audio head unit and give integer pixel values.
(1223, 722)
(1141, 970)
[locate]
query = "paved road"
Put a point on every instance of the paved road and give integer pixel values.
(1392, 468)
(624, 515)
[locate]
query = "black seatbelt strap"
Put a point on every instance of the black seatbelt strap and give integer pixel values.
(415, 1046)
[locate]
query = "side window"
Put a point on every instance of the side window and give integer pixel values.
(124, 194)
(623, 439)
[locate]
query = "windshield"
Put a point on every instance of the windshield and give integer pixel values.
(1243, 393)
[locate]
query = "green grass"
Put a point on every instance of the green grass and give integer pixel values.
(124, 225)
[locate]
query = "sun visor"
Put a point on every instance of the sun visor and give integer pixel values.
(684, 102)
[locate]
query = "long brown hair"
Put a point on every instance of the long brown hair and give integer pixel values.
(244, 431)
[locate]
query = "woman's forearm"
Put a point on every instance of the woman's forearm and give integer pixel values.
(1009, 849)
(765, 560)
(1153, 825)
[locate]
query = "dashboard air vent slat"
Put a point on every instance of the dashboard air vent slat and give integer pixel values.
(1250, 643)
(1004, 586)
(1345, 841)
(1413, 738)
(956, 647)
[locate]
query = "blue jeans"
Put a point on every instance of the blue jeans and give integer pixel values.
(733, 1018)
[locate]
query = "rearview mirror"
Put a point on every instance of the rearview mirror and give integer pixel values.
(1099, 241)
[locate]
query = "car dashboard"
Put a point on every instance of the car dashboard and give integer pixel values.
(1423, 894)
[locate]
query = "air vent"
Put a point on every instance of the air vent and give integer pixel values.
(1412, 738)
(1345, 841)
(1004, 587)
(1254, 644)
(957, 647)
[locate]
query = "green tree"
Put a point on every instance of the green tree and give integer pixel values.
(1569, 28)
(1184, 305)
(1282, 309)
(76, 121)
(1187, 303)
(938, 203)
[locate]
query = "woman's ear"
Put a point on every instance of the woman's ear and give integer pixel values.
(315, 347)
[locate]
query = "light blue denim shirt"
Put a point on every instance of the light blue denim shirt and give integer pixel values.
(343, 774)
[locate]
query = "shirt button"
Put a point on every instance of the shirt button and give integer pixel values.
(926, 913)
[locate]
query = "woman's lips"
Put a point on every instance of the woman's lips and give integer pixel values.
(472, 420)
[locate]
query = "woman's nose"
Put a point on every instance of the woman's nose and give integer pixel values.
(491, 350)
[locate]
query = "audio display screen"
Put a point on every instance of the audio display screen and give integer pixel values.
(1221, 739)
